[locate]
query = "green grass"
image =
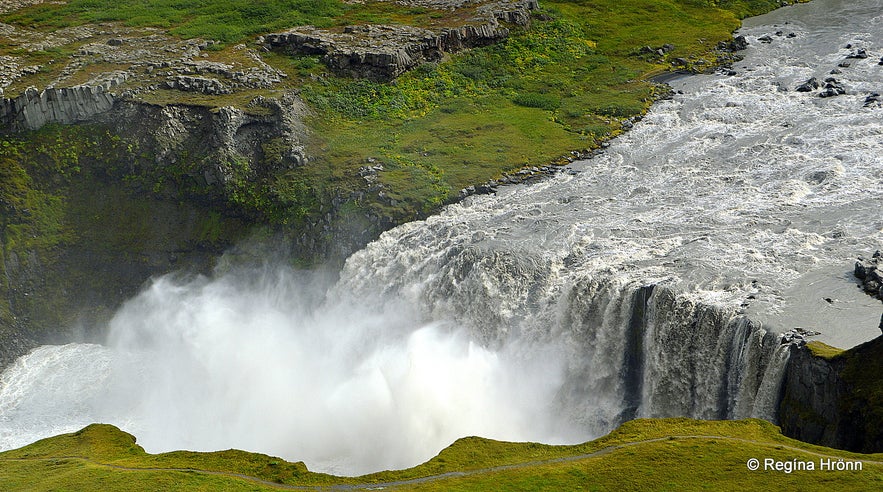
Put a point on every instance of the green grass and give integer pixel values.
(563, 84)
(824, 350)
(227, 21)
(667, 454)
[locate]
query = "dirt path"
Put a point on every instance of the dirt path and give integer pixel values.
(434, 478)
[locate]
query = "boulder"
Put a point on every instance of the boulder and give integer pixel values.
(809, 86)
(870, 274)
(858, 54)
(832, 88)
(738, 43)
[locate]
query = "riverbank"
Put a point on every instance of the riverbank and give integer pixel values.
(251, 139)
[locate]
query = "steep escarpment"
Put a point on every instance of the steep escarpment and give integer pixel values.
(93, 209)
(34, 109)
(810, 407)
(835, 398)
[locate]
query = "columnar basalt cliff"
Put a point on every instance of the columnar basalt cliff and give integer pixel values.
(175, 197)
(65, 105)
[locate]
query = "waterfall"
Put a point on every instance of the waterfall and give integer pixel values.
(652, 281)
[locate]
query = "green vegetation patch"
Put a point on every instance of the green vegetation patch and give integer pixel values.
(666, 454)
(230, 21)
(823, 350)
(565, 83)
(227, 21)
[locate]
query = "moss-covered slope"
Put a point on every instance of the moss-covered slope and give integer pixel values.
(669, 454)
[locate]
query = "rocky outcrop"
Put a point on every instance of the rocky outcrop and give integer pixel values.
(204, 85)
(66, 105)
(835, 401)
(832, 88)
(384, 52)
(162, 201)
(810, 85)
(870, 274)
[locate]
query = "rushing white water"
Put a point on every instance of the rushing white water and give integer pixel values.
(242, 361)
(550, 312)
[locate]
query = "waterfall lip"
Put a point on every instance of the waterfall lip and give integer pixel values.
(826, 300)
(741, 189)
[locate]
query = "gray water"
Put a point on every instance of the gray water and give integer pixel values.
(652, 283)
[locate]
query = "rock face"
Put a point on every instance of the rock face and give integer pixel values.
(383, 52)
(196, 158)
(67, 105)
(810, 405)
(834, 402)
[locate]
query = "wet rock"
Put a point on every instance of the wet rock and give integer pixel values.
(870, 274)
(809, 86)
(832, 88)
(765, 39)
(797, 336)
(738, 43)
(858, 54)
(844, 64)
(872, 100)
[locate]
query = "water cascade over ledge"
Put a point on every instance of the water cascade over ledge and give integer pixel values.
(652, 282)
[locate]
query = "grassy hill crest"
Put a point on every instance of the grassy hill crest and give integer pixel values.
(645, 454)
